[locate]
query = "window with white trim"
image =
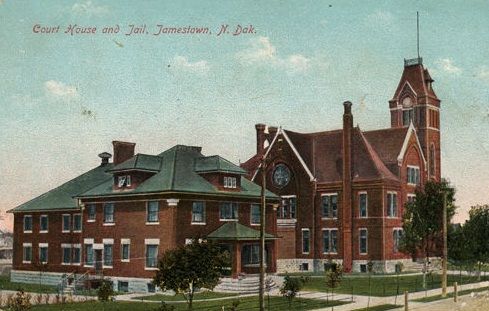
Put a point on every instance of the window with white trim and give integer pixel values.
(396, 239)
(43, 253)
(228, 211)
(43, 224)
(392, 204)
(255, 214)
(66, 220)
(413, 175)
(330, 241)
(411, 197)
(108, 255)
(27, 223)
(125, 250)
(288, 208)
(27, 253)
(229, 182)
(363, 241)
(89, 255)
(362, 204)
(198, 212)
(66, 253)
(109, 213)
(329, 205)
(91, 212)
(76, 254)
(152, 211)
(124, 181)
(306, 241)
(77, 222)
(151, 255)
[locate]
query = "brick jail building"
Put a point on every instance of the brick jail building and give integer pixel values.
(343, 191)
(118, 218)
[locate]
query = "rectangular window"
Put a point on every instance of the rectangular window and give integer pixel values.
(229, 182)
(27, 253)
(330, 206)
(413, 175)
(306, 241)
(288, 209)
(362, 201)
(43, 253)
(43, 224)
(151, 256)
(363, 236)
(251, 254)
(122, 286)
(124, 181)
(407, 117)
(255, 214)
(411, 197)
(198, 212)
(228, 211)
(66, 223)
(153, 210)
(89, 254)
(108, 255)
(125, 250)
(27, 223)
(109, 213)
(77, 223)
(76, 254)
(66, 252)
(91, 212)
(396, 239)
(330, 241)
(392, 204)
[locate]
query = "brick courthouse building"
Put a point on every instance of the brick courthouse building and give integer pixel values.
(116, 219)
(343, 191)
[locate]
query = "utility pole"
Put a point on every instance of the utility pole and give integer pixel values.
(445, 247)
(262, 233)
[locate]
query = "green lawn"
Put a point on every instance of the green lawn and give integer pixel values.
(380, 308)
(247, 303)
(5, 284)
(387, 286)
(450, 295)
(197, 296)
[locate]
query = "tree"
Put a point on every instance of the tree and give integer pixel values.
(334, 273)
(476, 228)
(191, 267)
(292, 286)
(423, 221)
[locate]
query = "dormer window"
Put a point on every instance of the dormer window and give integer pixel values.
(124, 181)
(229, 182)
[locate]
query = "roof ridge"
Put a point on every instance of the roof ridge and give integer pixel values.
(172, 173)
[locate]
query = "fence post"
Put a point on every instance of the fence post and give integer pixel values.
(406, 304)
(455, 292)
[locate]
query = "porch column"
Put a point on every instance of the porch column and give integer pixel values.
(272, 253)
(236, 267)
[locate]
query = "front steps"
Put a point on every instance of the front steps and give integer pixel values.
(249, 284)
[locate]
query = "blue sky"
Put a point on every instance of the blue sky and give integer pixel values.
(65, 98)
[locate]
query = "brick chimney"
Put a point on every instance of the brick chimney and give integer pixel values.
(260, 137)
(347, 187)
(122, 151)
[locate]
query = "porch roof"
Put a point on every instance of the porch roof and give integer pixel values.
(235, 231)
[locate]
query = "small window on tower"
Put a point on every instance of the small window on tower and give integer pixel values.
(407, 111)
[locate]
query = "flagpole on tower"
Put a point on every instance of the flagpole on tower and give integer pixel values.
(417, 28)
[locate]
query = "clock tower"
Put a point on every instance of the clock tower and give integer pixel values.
(415, 102)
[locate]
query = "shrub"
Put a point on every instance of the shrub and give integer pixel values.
(105, 291)
(21, 301)
(291, 286)
(165, 307)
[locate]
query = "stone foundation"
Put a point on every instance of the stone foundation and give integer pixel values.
(299, 265)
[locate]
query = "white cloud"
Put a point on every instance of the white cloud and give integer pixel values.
(59, 89)
(181, 63)
(89, 8)
(483, 73)
(447, 65)
(262, 51)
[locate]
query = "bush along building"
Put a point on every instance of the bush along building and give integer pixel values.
(343, 191)
(118, 218)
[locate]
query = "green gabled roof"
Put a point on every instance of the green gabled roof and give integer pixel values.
(216, 164)
(177, 174)
(142, 162)
(61, 198)
(233, 230)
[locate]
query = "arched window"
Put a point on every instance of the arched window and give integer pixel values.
(432, 160)
(407, 111)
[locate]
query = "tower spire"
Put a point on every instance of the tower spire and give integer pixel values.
(417, 30)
